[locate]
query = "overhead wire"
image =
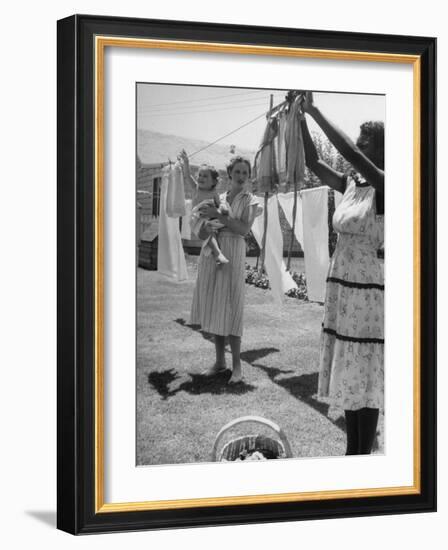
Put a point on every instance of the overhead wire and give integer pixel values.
(227, 135)
(264, 114)
(257, 92)
(206, 110)
(183, 107)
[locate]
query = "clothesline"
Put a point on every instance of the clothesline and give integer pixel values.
(210, 98)
(265, 114)
(227, 135)
(219, 139)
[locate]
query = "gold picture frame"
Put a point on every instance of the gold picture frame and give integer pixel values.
(80, 35)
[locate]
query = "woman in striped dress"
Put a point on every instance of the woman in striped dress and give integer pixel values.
(352, 340)
(218, 300)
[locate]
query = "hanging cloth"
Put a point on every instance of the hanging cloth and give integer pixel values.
(175, 201)
(186, 229)
(295, 152)
(170, 253)
(315, 241)
(286, 201)
(280, 280)
(281, 146)
(265, 165)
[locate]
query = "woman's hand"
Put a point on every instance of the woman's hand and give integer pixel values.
(183, 157)
(209, 211)
(308, 103)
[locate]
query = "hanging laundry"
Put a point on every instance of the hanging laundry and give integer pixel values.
(286, 201)
(295, 153)
(281, 147)
(170, 253)
(265, 165)
(280, 280)
(175, 201)
(315, 241)
(186, 229)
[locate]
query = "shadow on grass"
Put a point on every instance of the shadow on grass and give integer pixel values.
(253, 355)
(197, 385)
(303, 388)
(160, 381)
(196, 328)
(249, 356)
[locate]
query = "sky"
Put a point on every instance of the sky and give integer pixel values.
(208, 113)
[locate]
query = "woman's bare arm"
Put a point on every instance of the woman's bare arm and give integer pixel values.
(240, 227)
(323, 171)
(347, 148)
(186, 170)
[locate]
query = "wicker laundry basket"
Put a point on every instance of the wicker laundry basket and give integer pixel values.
(270, 447)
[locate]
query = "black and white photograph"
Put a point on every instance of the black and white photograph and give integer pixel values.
(259, 274)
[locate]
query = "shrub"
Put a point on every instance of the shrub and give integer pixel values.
(260, 280)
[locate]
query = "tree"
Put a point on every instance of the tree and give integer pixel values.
(329, 154)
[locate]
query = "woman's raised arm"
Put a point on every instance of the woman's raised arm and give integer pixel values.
(323, 171)
(183, 157)
(348, 149)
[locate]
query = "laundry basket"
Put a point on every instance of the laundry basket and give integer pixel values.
(269, 447)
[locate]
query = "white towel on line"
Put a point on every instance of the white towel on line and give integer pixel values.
(315, 241)
(175, 201)
(286, 201)
(186, 229)
(280, 280)
(170, 253)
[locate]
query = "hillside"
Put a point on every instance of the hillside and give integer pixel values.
(155, 147)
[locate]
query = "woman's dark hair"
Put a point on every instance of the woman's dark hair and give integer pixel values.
(374, 131)
(236, 160)
(213, 173)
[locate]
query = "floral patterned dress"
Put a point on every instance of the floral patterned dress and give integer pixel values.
(352, 340)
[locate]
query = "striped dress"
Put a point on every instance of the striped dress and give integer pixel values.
(352, 340)
(218, 299)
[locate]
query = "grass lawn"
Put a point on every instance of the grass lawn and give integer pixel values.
(180, 409)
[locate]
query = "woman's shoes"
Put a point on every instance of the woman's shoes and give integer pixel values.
(236, 378)
(216, 369)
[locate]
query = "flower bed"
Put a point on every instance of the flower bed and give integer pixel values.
(260, 280)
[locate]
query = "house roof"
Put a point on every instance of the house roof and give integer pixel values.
(155, 147)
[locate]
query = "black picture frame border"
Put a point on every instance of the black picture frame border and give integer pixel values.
(75, 274)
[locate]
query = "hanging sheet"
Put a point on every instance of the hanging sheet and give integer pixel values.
(186, 229)
(280, 280)
(315, 241)
(170, 254)
(286, 201)
(175, 201)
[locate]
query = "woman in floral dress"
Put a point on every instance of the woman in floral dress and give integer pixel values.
(352, 341)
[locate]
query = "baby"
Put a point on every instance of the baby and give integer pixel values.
(205, 194)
